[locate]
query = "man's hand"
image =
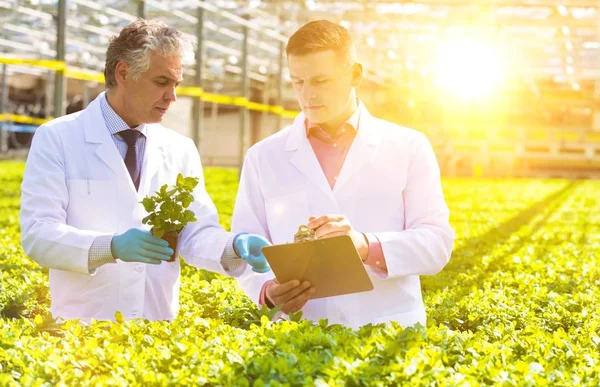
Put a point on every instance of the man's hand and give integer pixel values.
(249, 248)
(136, 245)
(328, 226)
(291, 295)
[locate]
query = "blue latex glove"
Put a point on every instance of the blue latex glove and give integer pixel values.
(249, 248)
(136, 245)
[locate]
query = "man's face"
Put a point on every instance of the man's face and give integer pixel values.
(149, 97)
(323, 84)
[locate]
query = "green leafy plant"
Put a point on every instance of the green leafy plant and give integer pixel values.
(516, 306)
(167, 209)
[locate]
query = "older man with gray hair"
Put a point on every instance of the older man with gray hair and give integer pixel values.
(87, 173)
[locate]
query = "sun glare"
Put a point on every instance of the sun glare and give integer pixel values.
(469, 69)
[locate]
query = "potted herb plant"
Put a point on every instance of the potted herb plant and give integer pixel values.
(167, 210)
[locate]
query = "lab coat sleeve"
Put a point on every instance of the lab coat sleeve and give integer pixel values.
(45, 236)
(202, 243)
(249, 215)
(425, 246)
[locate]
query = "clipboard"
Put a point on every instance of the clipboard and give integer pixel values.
(331, 265)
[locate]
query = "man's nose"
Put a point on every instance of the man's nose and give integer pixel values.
(308, 94)
(171, 95)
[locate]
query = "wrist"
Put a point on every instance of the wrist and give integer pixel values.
(235, 238)
(363, 248)
(112, 245)
(267, 300)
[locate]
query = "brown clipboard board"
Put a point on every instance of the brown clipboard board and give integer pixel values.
(331, 265)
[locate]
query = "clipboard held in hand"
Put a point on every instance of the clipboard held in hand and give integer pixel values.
(331, 265)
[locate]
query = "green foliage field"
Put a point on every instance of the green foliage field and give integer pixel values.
(518, 305)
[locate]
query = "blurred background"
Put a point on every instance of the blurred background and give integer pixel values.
(502, 88)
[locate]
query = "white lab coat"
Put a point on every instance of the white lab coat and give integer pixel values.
(389, 185)
(76, 187)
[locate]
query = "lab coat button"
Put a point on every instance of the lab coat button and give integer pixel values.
(139, 269)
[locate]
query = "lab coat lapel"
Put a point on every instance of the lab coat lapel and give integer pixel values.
(97, 132)
(303, 157)
(362, 150)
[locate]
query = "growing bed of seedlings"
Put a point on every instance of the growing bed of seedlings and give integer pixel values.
(516, 306)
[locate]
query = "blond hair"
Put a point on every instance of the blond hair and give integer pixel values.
(322, 35)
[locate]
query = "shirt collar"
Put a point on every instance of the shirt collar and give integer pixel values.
(114, 122)
(351, 122)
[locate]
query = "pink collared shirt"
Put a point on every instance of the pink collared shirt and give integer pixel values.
(331, 152)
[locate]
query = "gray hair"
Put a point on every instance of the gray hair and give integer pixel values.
(136, 43)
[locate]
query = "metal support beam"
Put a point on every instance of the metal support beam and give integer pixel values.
(141, 9)
(266, 96)
(3, 109)
(596, 109)
(86, 94)
(59, 86)
(243, 133)
(4, 91)
(280, 85)
(48, 105)
(198, 105)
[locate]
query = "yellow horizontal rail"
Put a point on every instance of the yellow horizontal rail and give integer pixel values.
(84, 75)
(54, 65)
(196, 92)
(19, 119)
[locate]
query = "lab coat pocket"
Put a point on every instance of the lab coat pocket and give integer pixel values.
(163, 282)
(92, 205)
(284, 214)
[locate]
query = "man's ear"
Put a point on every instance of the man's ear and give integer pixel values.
(121, 72)
(357, 74)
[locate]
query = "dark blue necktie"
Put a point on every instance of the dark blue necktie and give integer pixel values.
(131, 136)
